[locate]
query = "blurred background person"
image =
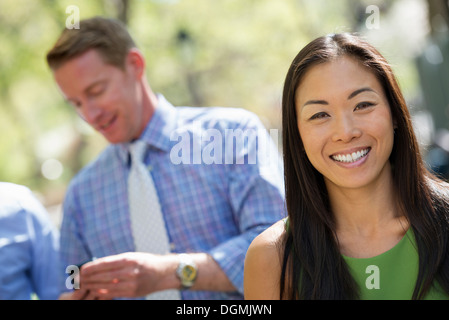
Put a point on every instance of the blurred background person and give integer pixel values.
(209, 212)
(29, 247)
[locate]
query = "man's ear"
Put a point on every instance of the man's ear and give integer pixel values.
(135, 62)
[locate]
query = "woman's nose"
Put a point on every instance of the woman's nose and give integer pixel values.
(345, 129)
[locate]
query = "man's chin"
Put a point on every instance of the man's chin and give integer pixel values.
(115, 140)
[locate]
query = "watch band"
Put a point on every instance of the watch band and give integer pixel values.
(187, 271)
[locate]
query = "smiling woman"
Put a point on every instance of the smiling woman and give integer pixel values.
(352, 116)
(366, 220)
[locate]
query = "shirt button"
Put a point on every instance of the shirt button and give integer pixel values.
(172, 246)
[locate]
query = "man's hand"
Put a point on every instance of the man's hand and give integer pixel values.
(131, 274)
(78, 294)
(137, 274)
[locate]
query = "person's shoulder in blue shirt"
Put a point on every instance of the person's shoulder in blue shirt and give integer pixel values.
(29, 245)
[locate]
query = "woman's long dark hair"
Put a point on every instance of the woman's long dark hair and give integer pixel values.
(313, 267)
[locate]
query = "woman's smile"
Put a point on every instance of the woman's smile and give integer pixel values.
(351, 159)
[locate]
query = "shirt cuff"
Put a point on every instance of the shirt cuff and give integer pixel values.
(230, 256)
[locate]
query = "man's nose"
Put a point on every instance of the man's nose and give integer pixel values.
(90, 112)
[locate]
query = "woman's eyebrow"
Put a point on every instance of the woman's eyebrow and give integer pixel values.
(358, 91)
(315, 102)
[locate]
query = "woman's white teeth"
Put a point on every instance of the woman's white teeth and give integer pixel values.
(352, 157)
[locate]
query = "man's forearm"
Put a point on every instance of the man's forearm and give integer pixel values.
(210, 276)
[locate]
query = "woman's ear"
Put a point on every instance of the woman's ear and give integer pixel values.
(135, 62)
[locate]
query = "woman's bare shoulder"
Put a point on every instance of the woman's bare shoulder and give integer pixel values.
(271, 238)
(263, 264)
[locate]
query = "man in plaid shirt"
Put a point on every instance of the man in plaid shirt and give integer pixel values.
(216, 194)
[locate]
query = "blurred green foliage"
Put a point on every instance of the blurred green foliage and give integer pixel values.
(199, 52)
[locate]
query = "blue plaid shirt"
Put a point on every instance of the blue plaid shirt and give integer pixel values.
(210, 201)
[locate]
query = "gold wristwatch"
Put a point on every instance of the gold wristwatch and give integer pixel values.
(187, 271)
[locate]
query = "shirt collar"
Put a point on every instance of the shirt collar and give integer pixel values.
(158, 130)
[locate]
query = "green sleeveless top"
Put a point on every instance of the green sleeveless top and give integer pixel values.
(391, 275)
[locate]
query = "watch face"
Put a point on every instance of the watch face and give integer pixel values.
(189, 273)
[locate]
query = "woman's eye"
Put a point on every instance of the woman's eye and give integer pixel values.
(319, 115)
(364, 105)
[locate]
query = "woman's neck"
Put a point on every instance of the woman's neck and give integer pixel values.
(366, 207)
(368, 220)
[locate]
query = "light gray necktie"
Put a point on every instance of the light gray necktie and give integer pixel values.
(147, 222)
